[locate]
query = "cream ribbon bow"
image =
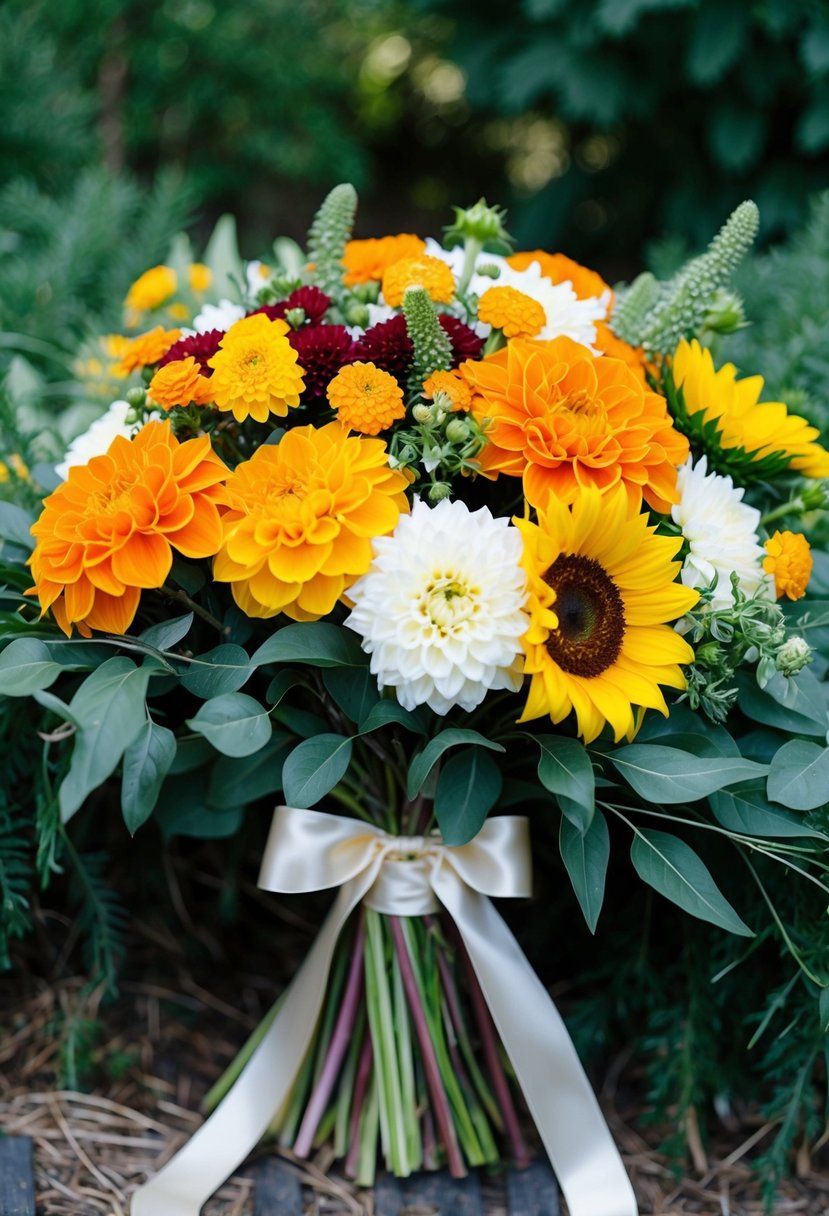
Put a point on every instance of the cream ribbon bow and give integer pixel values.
(407, 876)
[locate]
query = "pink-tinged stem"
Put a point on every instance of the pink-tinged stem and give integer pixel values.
(318, 1101)
(427, 1136)
(497, 1075)
(361, 1081)
(437, 1094)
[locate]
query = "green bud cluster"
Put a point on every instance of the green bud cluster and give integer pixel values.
(432, 348)
(327, 238)
(480, 223)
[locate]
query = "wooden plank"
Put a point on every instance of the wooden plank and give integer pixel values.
(533, 1191)
(17, 1184)
(429, 1192)
(278, 1191)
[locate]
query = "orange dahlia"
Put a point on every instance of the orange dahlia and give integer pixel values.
(301, 518)
(179, 383)
(607, 342)
(517, 315)
(255, 370)
(366, 398)
(587, 284)
(365, 261)
(147, 349)
(452, 387)
(109, 530)
(789, 559)
(561, 419)
(433, 275)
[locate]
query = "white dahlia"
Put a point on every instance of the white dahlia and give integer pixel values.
(721, 531)
(96, 440)
(441, 608)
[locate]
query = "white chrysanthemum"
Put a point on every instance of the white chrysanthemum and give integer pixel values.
(721, 531)
(257, 276)
(96, 440)
(441, 609)
(218, 316)
(567, 315)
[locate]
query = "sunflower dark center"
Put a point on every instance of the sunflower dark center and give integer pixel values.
(591, 616)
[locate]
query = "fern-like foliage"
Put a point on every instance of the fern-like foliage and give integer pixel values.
(101, 917)
(16, 872)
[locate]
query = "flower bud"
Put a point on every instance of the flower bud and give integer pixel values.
(708, 654)
(725, 313)
(422, 412)
(295, 317)
(357, 314)
(439, 490)
(457, 431)
(136, 397)
(367, 293)
(793, 655)
(478, 223)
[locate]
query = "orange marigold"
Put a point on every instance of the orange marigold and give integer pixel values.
(179, 383)
(147, 349)
(790, 561)
(607, 342)
(560, 418)
(366, 398)
(433, 275)
(517, 315)
(365, 261)
(451, 386)
(255, 370)
(586, 283)
(301, 519)
(109, 530)
(151, 289)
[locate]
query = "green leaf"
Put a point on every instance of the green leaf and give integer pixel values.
(384, 713)
(823, 1010)
(25, 667)
(468, 787)
(167, 633)
(110, 707)
(799, 775)
(147, 761)
(15, 524)
(585, 855)
(237, 782)
(234, 723)
(281, 684)
(183, 809)
(672, 868)
(666, 775)
(355, 691)
(424, 761)
(314, 767)
(317, 643)
(222, 670)
(803, 711)
(564, 768)
(745, 809)
(222, 256)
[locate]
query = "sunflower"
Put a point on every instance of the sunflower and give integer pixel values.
(602, 590)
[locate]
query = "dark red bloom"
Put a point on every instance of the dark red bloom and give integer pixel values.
(201, 346)
(387, 345)
(321, 350)
(465, 342)
(311, 300)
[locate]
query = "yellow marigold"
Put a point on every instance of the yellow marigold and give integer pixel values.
(587, 284)
(109, 530)
(366, 398)
(147, 349)
(151, 289)
(562, 419)
(433, 275)
(302, 514)
(15, 464)
(179, 383)
(200, 277)
(366, 261)
(517, 315)
(451, 386)
(255, 370)
(116, 345)
(790, 561)
(761, 428)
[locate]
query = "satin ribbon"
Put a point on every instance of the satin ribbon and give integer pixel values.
(407, 876)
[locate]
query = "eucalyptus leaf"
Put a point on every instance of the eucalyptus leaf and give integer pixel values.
(468, 787)
(147, 761)
(745, 809)
(314, 767)
(26, 667)
(386, 713)
(803, 713)
(585, 856)
(281, 684)
(672, 868)
(183, 809)
(424, 761)
(317, 643)
(167, 633)
(218, 671)
(15, 525)
(666, 775)
(235, 782)
(799, 775)
(564, 768)
(354, 690)
(234, 723)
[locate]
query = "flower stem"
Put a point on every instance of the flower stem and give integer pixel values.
(381, 1023)
(346, 1088)
(214, 1096)
(175, 593)
(360, 1088)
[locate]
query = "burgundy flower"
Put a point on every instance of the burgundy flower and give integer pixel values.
(465, 342)
(387, 345)
(321, 350)
(311, 300)
(201, 346)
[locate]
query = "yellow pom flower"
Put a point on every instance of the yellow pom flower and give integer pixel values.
(179, 383)
(452, 387)
(151, 289)
(366, 399)
(200, 277)
(17, 465)
(433, 275)
(255, 370)
(790, 561)
(762, 429)
(517, 315)
(365, 261)
(301, 518)
(147, 349)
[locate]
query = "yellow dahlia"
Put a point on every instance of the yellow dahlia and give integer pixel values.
(517, 315)
(255, 370)
(301, 517)
(109, 530)
(432, 274)
(365, 261)
(789, 559)
(200, 277)
(562, 419)
(366, 398)
(179, 383)
(452, 387)
(761, 429)
(147, 349)
(602, 590)
(151, 289)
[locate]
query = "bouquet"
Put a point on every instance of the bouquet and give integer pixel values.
(475, 533)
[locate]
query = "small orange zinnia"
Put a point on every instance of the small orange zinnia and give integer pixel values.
(517, 315)
(109, 530)
(255, 370)
(450, 386)
(790, 561)
(561, 419)
(365, 261)
(366, 398)
(433, 275)
(179, 383)
(147, 349)
(587, 284)
(301, 519)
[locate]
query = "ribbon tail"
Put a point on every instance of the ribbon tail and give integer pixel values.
(558, 1093)
(211, 1155)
